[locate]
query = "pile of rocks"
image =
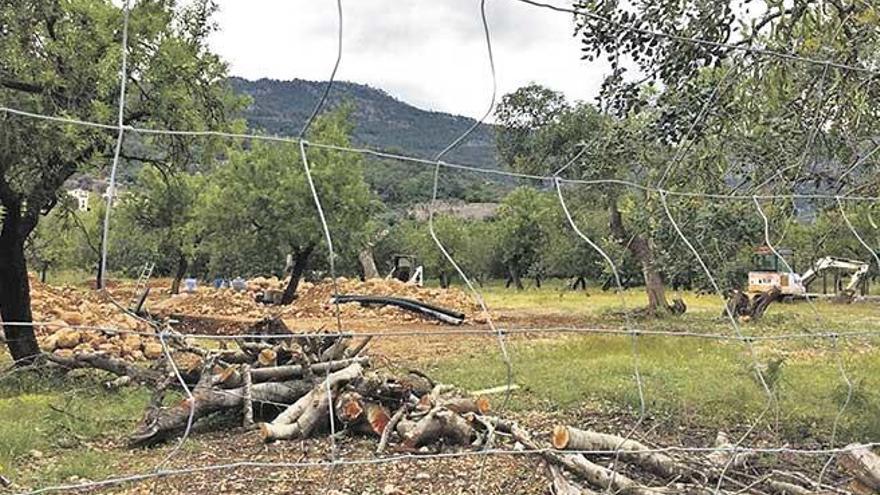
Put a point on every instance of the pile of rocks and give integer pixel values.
(71, 317)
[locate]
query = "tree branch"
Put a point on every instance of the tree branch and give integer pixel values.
(21, 86)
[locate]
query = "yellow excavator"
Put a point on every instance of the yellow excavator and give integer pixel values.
(772, 279)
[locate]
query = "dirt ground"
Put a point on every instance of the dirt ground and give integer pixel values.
(218, 442)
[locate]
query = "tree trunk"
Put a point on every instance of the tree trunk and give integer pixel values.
(182, 265)
(643, 252)
(99, 270)
(300, 263)
(444, 280)
(368, 263)
(514, 277)
(15, 298)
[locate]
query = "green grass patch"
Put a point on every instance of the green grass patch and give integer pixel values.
(702, 383)
(52, 426)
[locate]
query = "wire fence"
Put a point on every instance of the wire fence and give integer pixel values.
(821, 333)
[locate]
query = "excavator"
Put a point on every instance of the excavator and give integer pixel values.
(772, 272)
(773, 280)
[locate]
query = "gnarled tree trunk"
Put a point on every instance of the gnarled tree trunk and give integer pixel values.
(643, 252)
(300, 263)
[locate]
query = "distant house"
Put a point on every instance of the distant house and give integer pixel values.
(458, 209)
(82, 198)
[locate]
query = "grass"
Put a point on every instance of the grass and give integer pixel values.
(707, 384)
(699, 382)
(54, 428)
(76, 426)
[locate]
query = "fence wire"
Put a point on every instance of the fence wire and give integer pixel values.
(629, 330)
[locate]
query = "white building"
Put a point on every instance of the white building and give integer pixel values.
(82, 198)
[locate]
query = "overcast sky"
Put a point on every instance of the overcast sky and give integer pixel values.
(430, 53)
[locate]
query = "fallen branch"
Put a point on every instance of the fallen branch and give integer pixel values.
(568, 438)
(309, 412)
(389, 428)
(248, 398)
(167, 421)
(864, 465)
(108, 363)
(439, 424)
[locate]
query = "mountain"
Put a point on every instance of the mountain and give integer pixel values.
(381, 121)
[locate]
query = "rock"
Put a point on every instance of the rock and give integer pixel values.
(49, 343)
(71, 317)
(153, 350)
(81, 348)
(131, 343)
(422, 476)
(64, 353)
(67, 338)
(108, 348)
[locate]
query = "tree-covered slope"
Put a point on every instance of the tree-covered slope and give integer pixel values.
(381, 121)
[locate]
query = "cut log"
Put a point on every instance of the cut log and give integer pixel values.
(722, 458)
(480, 405)
(297, 371)
(236, 357)
(167, 421)
(108, 363)
(349, 407)
(596, 475)
(230, 377)
(247, 399)
(311, 411)
(560, 485)
(439, 424)
(863, 464)
(361, 415)
(267, 357)
(568, 438)
(389, 429)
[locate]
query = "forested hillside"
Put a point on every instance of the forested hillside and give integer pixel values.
(381, 121)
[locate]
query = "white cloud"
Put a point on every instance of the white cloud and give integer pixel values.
(430, 53)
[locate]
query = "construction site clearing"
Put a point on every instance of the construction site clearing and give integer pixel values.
(76, 319)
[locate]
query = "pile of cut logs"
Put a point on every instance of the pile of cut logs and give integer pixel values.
(287, 386)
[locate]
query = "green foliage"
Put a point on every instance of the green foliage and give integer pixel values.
(257, 207)
(379, 120)
(174, 82)
(522, 230)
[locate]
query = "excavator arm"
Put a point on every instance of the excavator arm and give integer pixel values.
(858, 269)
